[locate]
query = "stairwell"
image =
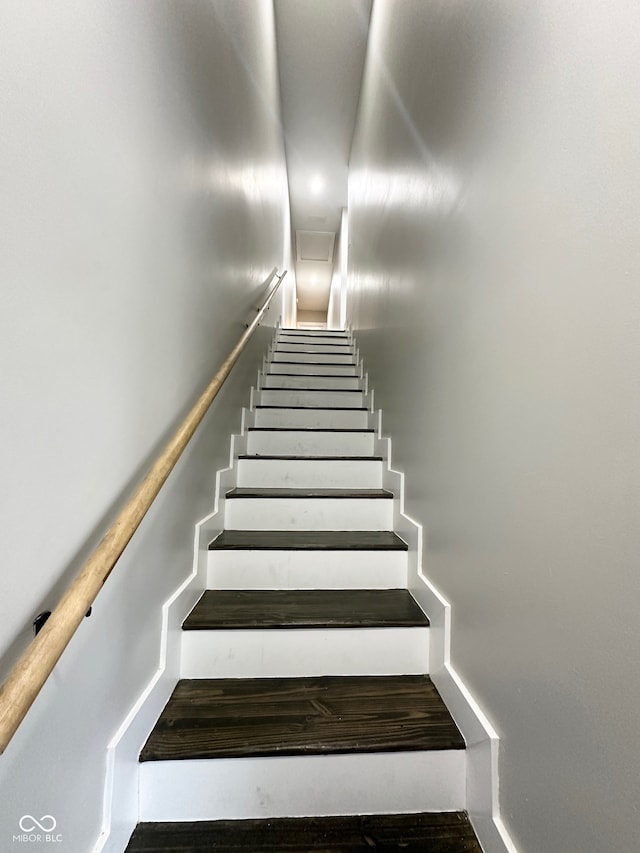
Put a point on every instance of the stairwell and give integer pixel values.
(305, 718)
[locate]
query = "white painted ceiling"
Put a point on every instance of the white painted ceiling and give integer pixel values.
(321, 52)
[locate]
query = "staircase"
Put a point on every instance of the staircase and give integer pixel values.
(305, 719)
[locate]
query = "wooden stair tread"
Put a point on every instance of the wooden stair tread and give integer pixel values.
(308, 540)
(225, 718)
(366, 494)
(345, 339)
(333, 608)
(329, 458)
(317, 363)
(303, 334)
(309, 351)
(318, 390)
(310, 429)
(445, 832)
(312, 375)
(327, 342)
(316, 408)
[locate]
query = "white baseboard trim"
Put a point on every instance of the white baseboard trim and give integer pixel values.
(482, 790)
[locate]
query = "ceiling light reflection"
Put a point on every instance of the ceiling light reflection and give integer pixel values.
(437, 189)
(317, 185)
(254, 182)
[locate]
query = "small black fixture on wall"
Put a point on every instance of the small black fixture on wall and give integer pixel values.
(41, 618)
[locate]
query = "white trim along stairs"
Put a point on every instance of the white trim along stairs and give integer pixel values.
(299, 673)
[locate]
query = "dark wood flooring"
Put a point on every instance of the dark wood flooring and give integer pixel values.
(448, 832)
(233, 718)
(306, 608)
(308, 540)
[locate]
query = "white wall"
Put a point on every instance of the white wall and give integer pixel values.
(335, 291)
(144, 205)
(494, 219)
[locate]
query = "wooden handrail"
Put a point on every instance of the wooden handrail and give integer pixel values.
(29, 674)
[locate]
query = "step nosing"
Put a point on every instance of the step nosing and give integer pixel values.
(304, 346)
(280, 336)
(310, 344)
(315, 408)
(301, 334)
(318, 624)
(290, 458)
(320, 494)
(338, 338)
(319, 748)
(308, 540)
(349, 430)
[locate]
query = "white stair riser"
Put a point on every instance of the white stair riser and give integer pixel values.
(313, 339)
(299, 652)
(316, 340)
(310, 443)
(310, 473)
(290, 786)
(319, 399)
(266, 569)
(308, 514)
(313, 357)
(344, 383)
(312, 333)
(315, 419)
(277, 367)
(282, 346)
(301, 330)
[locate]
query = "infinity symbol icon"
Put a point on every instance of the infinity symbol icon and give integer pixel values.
(47, 823)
